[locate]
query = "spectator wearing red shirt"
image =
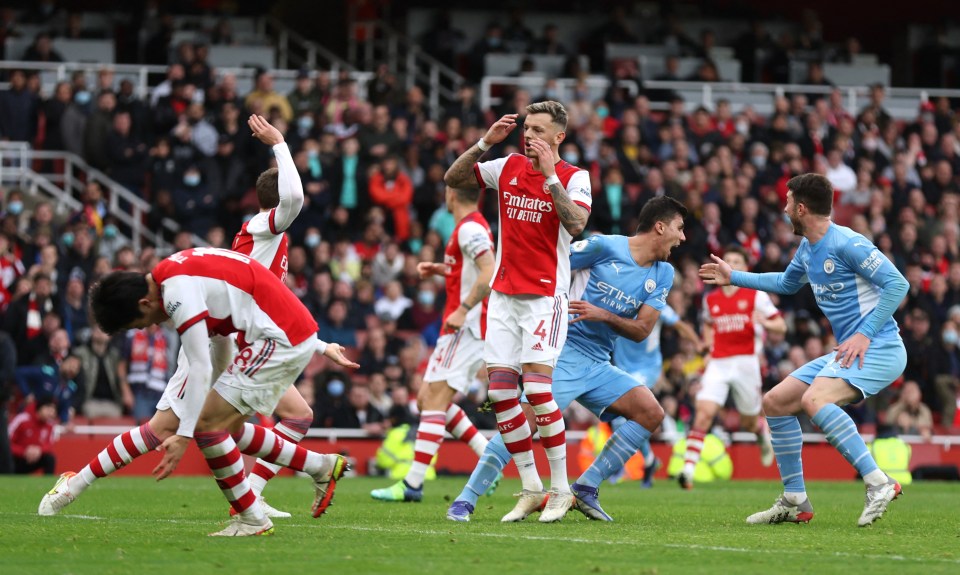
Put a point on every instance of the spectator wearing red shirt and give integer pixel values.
(32, 436)
(392, 189)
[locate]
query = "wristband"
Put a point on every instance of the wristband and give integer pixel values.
(553, 180)
(482, 145)
(464, 306)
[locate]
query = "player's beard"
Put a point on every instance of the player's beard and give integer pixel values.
(795, 222)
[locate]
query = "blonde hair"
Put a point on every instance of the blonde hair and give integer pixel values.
(555, 109)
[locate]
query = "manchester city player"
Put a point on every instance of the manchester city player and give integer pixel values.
(622, 284)
(858, 289)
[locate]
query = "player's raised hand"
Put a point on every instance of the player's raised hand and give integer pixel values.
(586, 311)
(428, 269)
(716, 273)
(335, 352)
(500, 129)
(544, 156)
(173, 449)
(263, 131)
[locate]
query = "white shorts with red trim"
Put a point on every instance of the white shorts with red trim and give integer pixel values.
(456, 360)
(737, 374)
(525, 329)
(261, 373)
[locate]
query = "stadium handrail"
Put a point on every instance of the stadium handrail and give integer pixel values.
(18, 170)
(312, 50)
(442, 80)
(565, 85)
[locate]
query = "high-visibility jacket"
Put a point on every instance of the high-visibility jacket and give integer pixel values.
(395, 454)
(592, 444)
(892, 455)
(714, 464)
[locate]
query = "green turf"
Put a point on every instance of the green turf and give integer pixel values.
(133, 525)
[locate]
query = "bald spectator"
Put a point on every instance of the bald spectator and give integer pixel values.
(909, 414)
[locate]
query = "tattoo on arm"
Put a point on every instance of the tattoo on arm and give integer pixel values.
(572, 216)
(460, 174)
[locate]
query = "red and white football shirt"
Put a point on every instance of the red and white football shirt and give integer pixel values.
(231, 293)
(532, 245)
(470, 239)
(731, 317)
(263, 237)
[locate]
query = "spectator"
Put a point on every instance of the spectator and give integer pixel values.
(32, 434)
(52, 380)
(8, 364)
(392, 189)
(19, 110)
(264, 99)
(105, 393)
(909, 415)
(41, 50)
(143, 368)
(97, 129)
(24, 320)
(335, 328)
(359, 413)
(74, 309)
(126, 153)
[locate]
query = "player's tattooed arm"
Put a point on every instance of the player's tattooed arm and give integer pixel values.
(460, 174)
(572, 216)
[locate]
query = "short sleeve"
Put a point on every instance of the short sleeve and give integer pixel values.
(585, 253)
(866, 260)
(183, 302)
(488, 173)
(765, 306)
(578, 188)
(660, 288)
(473, 240)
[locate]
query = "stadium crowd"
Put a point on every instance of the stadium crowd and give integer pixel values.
(372, 171)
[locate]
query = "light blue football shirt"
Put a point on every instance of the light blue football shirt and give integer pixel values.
(606, 275)
(644, 356)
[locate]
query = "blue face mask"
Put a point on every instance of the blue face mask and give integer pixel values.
(335, 388)
(15, 207)
(950, 337)
(426, 298)
(109, 231)
(305, 123)
(67, 239)
(82, 97)
(415, 245)
(312, 241)
(603, 112)
(191, 180)
(571, 157)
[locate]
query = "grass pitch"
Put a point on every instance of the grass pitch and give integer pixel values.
(134, 525)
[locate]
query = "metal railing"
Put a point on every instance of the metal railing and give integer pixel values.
(295, 50)
(16, 159)
(596, 86)
(383, 44)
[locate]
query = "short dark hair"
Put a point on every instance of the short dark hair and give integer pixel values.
(737, 249)
(467, 195)
(268, 191)
(661, 209)
(813, 191)
(115, 300)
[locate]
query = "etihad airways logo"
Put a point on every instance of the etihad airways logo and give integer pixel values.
(536, 204)
(618, 297)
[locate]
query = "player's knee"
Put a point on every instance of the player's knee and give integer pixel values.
(772, 405)
(498, 395)
(811, 402)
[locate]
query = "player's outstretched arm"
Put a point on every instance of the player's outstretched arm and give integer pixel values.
(635, 329)
(334, 351)
(289, 186)
(460, 174)
(716, 272)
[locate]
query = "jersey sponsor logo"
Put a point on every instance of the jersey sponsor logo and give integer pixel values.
(526, 209)
(649, 285)
(872, 263)
(826, 292)
(731, 323)
(828, 266)
(617, 298)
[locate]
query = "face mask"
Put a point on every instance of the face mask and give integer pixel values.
(415, 245)
(191, 180)
(305, 123)
(109, 231)
(426, 298)
(743, 127)
(759, 161)
(67, 239)
(493, 41)
(950, 337)
(571, 157)
(313, 153)
(15, 207)
(312, 241)
(82, 97)
(552, 94)
(335, 388)
(603, 112)
(870, 145)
